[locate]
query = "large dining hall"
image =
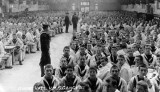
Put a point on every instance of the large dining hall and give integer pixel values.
(79, 45)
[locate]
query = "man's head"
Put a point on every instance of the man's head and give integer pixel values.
(82, 49)
(104, 61)
(82, 60)
(111, 84)
(73, 44)
(113, 49)
(14, 36)
(143, 70)
(48, 70)
(89, 46)
(38, 87)
(92, 72)
(45, 27)
(63, 62)
(138, 60)
(66, 50)
(83, 87)
(114, 71)
(130, 51)
(121, 59)
(99, 50)
(70, 70)
(142, 86)
(147, 49)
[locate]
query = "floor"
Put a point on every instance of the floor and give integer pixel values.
(22, 78)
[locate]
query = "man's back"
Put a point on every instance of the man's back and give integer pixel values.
(66, 20)
(45, 41)
(74, 19)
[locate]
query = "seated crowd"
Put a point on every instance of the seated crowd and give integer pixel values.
(21, 35)
(112, 52)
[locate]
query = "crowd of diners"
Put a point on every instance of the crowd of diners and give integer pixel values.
(21, 35)
(112, 52)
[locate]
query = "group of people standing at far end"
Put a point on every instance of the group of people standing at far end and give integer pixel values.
(74, 21)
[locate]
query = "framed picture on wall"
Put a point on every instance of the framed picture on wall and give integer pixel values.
(158, 4)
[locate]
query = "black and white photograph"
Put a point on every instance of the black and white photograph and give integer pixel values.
(79, 45)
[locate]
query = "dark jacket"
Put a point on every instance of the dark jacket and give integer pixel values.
(74, 20)
(67, 21)
(45, 46)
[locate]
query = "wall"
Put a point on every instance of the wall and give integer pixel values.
(139, 8)
(136, 7)
(103, 5)
(109, 5)
(156, 10)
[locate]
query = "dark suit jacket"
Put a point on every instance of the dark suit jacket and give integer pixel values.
(67, 21)
(45, 46)
(74, 19)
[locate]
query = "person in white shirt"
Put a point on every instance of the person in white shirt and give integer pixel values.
(149, 58)
(125, 70)
(5, 58)
(156, 81)
(31, 41)
(15, 41)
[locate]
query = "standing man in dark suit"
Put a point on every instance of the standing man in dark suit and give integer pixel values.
(74, 22)
(67, 21)
(45, 46)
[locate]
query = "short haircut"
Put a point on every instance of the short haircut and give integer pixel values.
(93, 68)
(114, 67)
(48, 66)
(121, 56)
(111, 82)
(143, 84)
(105, 58)
(70, 66)
(84, 85)
(142, 65)
(36, 86)
(141, 58)
(66, 47)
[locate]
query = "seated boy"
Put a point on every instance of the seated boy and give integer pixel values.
(5, 58)
(49, 81)
(61, 71)
(142, 87)
(70, 80)
(15, 41)
(93, 81)
(110, 85)
(82, 68)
